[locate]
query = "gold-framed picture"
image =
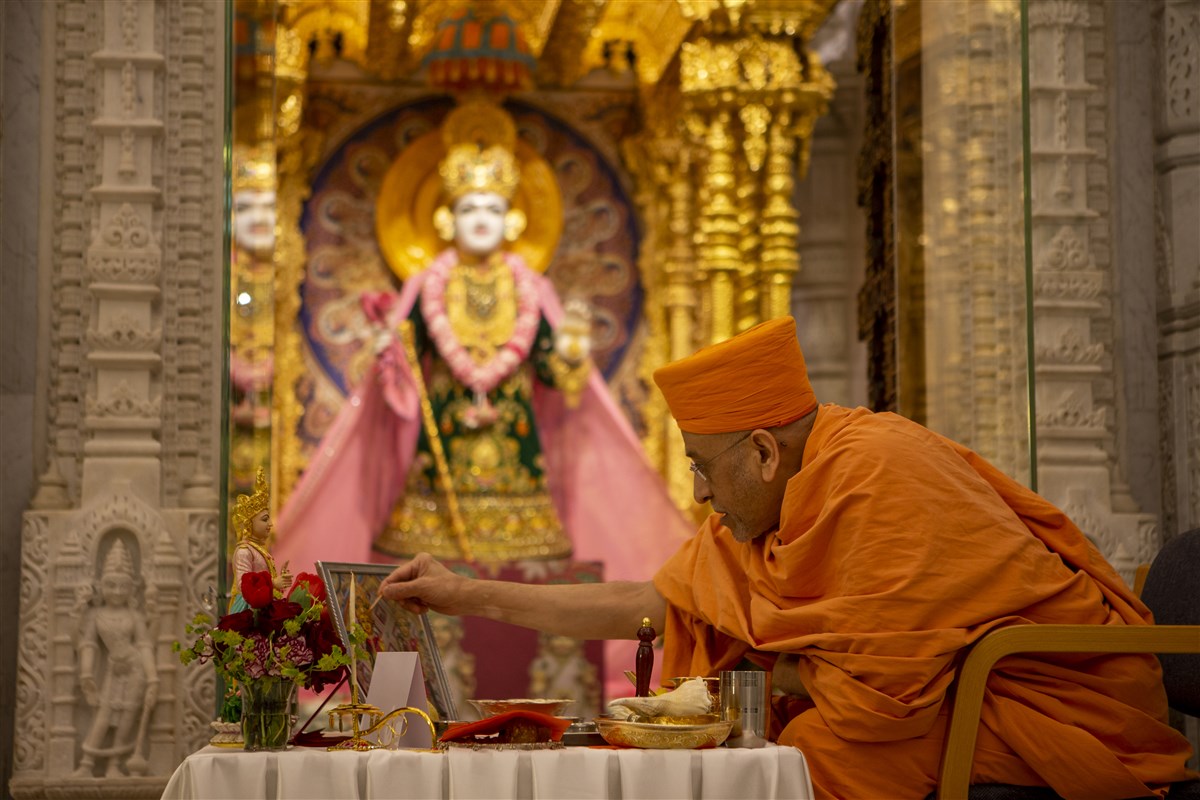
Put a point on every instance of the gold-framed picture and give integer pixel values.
(389, 626)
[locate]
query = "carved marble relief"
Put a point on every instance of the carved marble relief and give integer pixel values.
(1072, 256)
(561, 669)
(1177, 206)
(102, 592)
(117, 674)
(121, 539)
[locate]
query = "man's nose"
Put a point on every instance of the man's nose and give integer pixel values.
(700, 490)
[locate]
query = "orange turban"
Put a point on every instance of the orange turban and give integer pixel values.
(757, 379)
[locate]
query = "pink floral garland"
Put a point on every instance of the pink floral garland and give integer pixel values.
(480, 378)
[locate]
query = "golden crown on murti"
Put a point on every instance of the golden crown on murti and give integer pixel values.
(253, 167)
(469, 168)
(248, 506)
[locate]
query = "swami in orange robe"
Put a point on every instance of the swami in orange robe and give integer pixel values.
(896, 549)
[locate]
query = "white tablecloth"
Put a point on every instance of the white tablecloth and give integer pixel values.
(573, 772)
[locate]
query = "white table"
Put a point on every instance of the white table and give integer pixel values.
(573, 772)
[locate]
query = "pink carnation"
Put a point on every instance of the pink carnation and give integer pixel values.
(298, 651)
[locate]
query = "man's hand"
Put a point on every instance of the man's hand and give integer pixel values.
(423, 584)
(577, 610)
(786, 677)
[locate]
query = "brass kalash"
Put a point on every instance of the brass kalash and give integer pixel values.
(361, 720)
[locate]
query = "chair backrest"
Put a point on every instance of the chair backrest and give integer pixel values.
(1172, 592)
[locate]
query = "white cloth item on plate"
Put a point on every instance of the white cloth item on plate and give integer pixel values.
(690, 697)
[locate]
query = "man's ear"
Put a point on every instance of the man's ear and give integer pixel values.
(767, 452)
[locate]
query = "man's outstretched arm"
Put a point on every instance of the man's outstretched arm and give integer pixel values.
(580, 610)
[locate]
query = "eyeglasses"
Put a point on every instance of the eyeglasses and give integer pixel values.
(701, 468)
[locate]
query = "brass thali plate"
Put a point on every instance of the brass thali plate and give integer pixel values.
(491, 708)
(655, 736)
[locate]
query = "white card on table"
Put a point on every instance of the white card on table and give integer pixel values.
(397, 681)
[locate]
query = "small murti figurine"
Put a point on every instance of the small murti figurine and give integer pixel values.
(644, 661)
(561, 669)
(252, 523)
(458, 664)
(113, 635)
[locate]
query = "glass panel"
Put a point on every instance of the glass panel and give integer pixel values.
(251, 254)
(960, 226)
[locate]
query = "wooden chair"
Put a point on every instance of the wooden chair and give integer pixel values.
(1170, 592)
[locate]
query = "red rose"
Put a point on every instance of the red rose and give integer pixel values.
(271, 618)
(318, 680)
(311, 583)
(322, 637)
(258, 589)
(239, 622)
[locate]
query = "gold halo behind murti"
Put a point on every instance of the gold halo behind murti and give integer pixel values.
(411, 191)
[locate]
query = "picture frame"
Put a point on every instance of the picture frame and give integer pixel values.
(394, 627)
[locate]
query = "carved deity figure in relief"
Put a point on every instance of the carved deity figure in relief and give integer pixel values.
(562, 670)
(117, 673)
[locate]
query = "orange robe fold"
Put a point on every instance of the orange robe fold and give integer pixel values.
(896, 549)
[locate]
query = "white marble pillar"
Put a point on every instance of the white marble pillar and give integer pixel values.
(20, 196)
(1177, 164)
(832, 258)
(1078, 469)
(123, 523)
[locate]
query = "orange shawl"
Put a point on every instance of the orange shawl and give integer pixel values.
(896, 549)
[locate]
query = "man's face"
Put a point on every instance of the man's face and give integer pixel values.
(254, 220)
(733, 482)
(479, 222)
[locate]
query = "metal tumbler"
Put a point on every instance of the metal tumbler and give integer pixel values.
(746, 701)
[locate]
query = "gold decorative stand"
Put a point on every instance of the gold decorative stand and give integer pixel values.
(353, 713)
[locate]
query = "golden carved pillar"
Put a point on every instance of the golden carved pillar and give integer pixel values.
(751, 98)
(780, 221)
(660, 163)
(717, 245)
(681, 296)
(681, 300)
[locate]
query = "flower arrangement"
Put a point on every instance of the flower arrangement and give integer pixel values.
(282, 641)
(290, 636)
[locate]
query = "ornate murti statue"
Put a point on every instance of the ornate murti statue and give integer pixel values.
(117, 675)
(479, 328)
(251, 313)
(252, 523)
(481, 430)
(458, 664)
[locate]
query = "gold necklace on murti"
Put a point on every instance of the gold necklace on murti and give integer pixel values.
(481, 306)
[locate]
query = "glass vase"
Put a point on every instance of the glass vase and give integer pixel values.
(267, 705)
